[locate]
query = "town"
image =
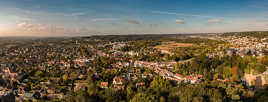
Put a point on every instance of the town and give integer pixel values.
(122, 68)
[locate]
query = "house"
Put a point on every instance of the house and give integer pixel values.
(104, 85)
(50, 91)
(156, 71)
(45, 83)
(166, 51)
(193, 81)
(200, 76)
(59, 96)
(42, 68)
(229, 52)
(79, 86)
(169, 73)
(179, 76)
(138, 71)
(81, 76)
(28, 95)
(144, 75)
(258, 80)
(134, 77)
(132, 53)
(55, 79)
(118, 83)
(140, 85)
(2, 93)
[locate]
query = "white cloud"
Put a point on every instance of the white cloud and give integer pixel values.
(22, 24)
(32, 27)
(179, 21)
(78, 14)
(44, 29)
(132, 21)
(20, 18)
(214, 20)
(102, 19)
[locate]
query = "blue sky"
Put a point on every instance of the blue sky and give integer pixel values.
(86, 17)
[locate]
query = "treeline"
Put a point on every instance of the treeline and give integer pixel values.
(198, 41)
(228, 67)
(143, 37)
(136, 37)
(161, 90)
(256, 34)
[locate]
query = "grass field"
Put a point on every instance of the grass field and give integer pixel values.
(171, 45)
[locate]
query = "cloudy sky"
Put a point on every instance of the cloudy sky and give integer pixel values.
(87, 17)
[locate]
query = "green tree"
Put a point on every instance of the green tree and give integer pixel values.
(130, 92)
(143, 97)
(227, 72)
(160, 86)
(82, 96)
(162, 99)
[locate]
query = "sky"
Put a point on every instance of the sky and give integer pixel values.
(97, 17)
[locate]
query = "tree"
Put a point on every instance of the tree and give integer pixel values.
(64, 77)
(234, 71)
(92, 89)
(167, 57)
(82, 96)
(256, 67)
(261, 95)
(227, 72)
(143, 97)
(162, 99)
(38, 73)
(130, 92)
(160, 85)
(198, 99)
(111, 95)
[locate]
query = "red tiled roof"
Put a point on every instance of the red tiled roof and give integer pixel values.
(179, 75)
(117, 79)
(104, 84)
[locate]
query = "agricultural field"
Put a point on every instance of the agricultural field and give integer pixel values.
(172, 44)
